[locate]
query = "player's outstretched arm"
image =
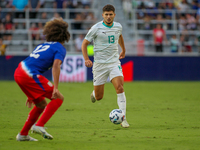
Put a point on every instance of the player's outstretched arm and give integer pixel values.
(56, 74)
(121, 43)
(88, 62)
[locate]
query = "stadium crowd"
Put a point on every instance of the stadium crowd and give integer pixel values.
(16, 9)
(149, 13)
(186, 13)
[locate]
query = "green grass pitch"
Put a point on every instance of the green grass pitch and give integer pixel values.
(162, 116)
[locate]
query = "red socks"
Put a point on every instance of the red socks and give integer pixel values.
(49, 111)
(32, 118)
(35, 113)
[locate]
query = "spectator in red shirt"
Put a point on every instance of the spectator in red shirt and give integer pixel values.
(34, 32)
(41, 28)
(159, 35)
(9, 26)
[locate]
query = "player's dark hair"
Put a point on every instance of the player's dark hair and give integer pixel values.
(108, 7)
(56, 30)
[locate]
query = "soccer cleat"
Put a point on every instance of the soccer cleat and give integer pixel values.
(125, 124)
(93, 99)
(41, 131)
(24, 138)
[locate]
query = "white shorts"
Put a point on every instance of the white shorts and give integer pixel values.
(101, 72)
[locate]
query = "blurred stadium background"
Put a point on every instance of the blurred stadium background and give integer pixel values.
(22, 23)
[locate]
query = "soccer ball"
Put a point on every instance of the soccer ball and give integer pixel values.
(116, 116)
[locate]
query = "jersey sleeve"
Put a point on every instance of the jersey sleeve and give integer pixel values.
(60, 53)
(91, 34)
(120, 29)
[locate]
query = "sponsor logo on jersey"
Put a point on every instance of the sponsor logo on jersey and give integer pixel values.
(50, 84)
(116, 32)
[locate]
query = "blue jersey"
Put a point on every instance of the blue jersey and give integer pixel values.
(43, 56)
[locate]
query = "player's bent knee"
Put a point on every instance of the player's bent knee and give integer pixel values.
(61, 97)
(41, 104)
(120, 89)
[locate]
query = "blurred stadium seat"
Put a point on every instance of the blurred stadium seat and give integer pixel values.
(132, 18)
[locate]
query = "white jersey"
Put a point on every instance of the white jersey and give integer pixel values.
(105, 39)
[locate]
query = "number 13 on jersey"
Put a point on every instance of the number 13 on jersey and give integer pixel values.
(111, 39)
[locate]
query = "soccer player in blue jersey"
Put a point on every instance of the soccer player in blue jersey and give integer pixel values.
(28, 76)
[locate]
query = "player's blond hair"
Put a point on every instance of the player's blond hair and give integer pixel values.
(56, 30)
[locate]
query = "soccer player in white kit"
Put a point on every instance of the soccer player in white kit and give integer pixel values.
(106, 36)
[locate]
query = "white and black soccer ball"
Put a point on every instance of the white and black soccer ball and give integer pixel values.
(116, 116)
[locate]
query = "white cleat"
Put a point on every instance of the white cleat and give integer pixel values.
(24, 138)
(125, 124)
(93, 99)
(41, 131)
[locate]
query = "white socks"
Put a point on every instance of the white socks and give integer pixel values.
(121, 101)
(93, 94)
